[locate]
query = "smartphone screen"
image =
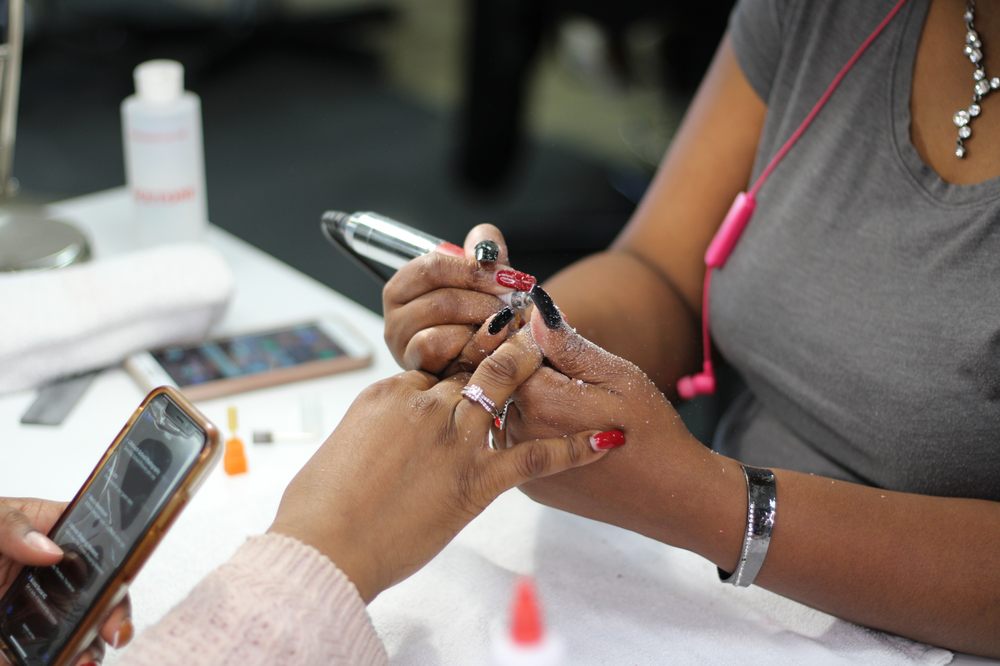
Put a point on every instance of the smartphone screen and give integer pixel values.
(43, 607)
(247, 354)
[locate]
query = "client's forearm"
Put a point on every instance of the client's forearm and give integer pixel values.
(276, 601)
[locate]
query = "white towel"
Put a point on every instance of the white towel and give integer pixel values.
(615, 598)
(83, 317)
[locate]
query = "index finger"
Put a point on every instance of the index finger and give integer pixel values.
(436, 271)
(569, 352)
(499, 375)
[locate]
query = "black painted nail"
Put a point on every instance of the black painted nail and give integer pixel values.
(500, 320)
(487, 251)
(542, 301)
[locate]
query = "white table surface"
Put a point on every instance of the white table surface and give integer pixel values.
(52, 462)
(616, 597)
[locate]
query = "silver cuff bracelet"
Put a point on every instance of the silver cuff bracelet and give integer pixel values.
(761, 505)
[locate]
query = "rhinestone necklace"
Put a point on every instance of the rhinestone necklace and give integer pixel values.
(982, 86)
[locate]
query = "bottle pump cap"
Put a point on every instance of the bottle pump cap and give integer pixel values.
(159, 80)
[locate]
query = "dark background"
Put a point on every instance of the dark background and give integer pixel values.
(301, 115)
(340, 104)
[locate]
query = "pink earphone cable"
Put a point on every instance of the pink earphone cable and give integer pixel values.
(706, 338)
(687, 386)
(821, 102)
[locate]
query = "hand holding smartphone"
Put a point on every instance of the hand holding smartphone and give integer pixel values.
(154, 465)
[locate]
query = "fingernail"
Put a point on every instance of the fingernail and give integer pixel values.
(123, 635)
(500, 320)
(451, 249)
(487, 251)
(610, 439)
(39, 541)
(542, 301)
(515, 279)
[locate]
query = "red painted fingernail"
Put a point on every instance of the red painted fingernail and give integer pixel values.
(610, 439)
(515, 279)
(450, 249)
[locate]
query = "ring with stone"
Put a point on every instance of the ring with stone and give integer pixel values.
(502, 421)
(475, 393)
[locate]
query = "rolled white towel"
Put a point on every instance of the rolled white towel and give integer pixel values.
(83, 317)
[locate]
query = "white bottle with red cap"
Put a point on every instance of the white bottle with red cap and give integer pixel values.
(526, 642)
(164, 157)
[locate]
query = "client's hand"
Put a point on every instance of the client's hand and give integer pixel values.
(23, 526)
(409, 466)
(438, 308)
(584, 384)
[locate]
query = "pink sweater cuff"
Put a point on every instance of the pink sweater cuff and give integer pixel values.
(276, 600)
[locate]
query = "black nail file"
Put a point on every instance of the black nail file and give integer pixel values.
(55, 401)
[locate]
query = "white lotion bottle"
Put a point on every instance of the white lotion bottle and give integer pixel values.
(164, 157)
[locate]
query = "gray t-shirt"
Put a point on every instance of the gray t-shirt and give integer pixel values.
(862, 305)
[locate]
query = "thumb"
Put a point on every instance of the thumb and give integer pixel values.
(482, 232)
(21, 542)
(566, 350)
(534, 459)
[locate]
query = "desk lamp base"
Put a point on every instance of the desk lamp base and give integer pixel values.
(33, 242)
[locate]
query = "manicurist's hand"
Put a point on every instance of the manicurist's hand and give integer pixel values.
(409, 466)
(634, 487)
(439, 308)
(835, 545)
(23, 526)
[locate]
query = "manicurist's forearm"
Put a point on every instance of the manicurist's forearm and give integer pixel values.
(924, 567)
(927, 568)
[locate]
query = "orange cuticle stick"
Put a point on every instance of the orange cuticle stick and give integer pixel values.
(234, 460)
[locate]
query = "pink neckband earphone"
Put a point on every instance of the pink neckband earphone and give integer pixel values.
(736, 220)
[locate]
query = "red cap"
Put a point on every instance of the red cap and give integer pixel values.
(526, 617)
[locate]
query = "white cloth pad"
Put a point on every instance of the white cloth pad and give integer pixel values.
(59, 322)
(615, 598)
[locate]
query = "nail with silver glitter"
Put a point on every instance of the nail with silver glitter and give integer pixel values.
(487, 252)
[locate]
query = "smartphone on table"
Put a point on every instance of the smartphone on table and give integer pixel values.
(147, 475)
(254, 360)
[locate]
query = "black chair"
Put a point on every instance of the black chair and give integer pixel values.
(503, 39)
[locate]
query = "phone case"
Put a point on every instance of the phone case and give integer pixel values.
(87, 630)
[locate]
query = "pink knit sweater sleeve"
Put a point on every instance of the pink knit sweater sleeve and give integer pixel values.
(276, 601)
